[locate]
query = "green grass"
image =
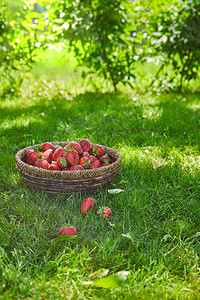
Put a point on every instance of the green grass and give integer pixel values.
(160, 204)
(61, 66)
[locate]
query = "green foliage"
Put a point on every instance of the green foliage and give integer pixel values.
(108, 38)
(22, 34)
(99, 33)
(174, 35)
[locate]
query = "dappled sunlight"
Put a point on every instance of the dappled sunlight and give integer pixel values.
(156, 157)
(22, 121)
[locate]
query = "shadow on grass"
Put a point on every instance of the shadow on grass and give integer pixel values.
(164, 122)
(109, 119)
(115, 120)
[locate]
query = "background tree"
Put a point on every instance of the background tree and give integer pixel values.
(99, 33)
(173, 34)
(108, 37)
(23, 31)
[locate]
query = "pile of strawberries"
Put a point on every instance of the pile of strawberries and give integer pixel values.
(73, 156)
(87, 205)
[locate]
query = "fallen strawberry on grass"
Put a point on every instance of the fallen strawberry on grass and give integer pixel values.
(87, 204)
(105, 212)
(68, 230)
(65, 233)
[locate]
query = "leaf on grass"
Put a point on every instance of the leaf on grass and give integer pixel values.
(64, 238)
(129, 236)
(122, 181)
(112, 224)
(166, 237)
(155, 165)
(112, 281)
(99, 273)
(87, 282)
(115, 191)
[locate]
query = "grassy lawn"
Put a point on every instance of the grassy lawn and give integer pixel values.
(154, 231)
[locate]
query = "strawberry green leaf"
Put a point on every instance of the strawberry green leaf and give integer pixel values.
(95, 150)
(86, 164)
(104, 156)
(38, 149)
(63, 161)
(101, 210)
(71, 149)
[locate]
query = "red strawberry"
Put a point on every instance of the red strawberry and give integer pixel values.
(71, 230)
(29, 161)
(59, 153)
(47, 146)
(54, 166)
(96, 164)
(84, 161)
(98, 151)
(76, 168)
(105, 212)
(86, 145)
(76, 147)
(61, 162)
(105, 158)
(67, 169)
(42, 163)
(33, 157)
(87, 204)
(48, 155)
(72, 157)
(106, 163)
(28, 153)
(92, 158)
(86, 154)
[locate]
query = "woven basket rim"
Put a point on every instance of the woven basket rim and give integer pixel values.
(62, 175)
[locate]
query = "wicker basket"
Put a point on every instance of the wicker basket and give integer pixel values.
(71, 182)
